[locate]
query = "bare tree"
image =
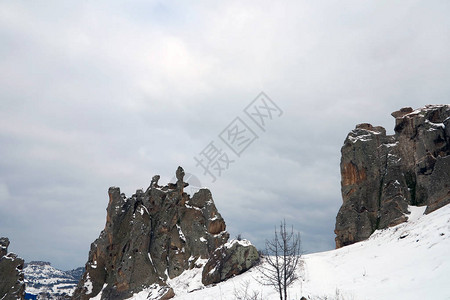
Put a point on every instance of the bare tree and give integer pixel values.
(282, 256)
(244, 292)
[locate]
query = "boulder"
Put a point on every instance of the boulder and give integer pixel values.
(229, 260)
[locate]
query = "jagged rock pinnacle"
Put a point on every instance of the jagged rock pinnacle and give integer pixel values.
(153, 236)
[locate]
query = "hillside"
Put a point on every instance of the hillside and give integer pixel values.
(48, 282)
(408, 261)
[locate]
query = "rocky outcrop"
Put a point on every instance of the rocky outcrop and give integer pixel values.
(149, 238)
(12, 284)
(381, 175)
(229, 260)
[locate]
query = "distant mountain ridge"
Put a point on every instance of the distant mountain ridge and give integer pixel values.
(46, 282)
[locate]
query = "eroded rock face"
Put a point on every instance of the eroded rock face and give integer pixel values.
(12, 284)
(381, 174)
(150, 237)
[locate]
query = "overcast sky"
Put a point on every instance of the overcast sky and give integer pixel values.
(96, 94)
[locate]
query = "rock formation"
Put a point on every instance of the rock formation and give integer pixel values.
(151, 237)
(12, 284)
(382, 174)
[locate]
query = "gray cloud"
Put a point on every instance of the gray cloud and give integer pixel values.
(108, 93)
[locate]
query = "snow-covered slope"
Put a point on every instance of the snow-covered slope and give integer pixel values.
(408, 261)
(49, 283)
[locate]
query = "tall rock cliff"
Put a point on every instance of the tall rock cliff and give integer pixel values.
(381, 175)
(12, 284)
(154, 236)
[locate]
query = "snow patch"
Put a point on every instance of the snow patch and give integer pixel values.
(143, 209)
(99, 295)
(153, 292)
(88, 284)
(189, 280)
(360, 138)
(192, 207)
(231, 243)
(182, 237)
(214, 218)
(94, 264)
(435, 125)
(150, 257)
(391, 145)
(415, 212)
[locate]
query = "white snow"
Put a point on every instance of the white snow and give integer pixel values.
(390, 145)
(394, 158)
(88, 285)
(150, 257)
(181, 233)
(143, 209)
(192, 207)
(189, 280)
(40, 278)
(415, 212)
(214, 218)
(212, 271)
(244, 243)
(99, 295)
(155, 291)
(408, 261)
(360, 138)
(435, 125)
(94, 265)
